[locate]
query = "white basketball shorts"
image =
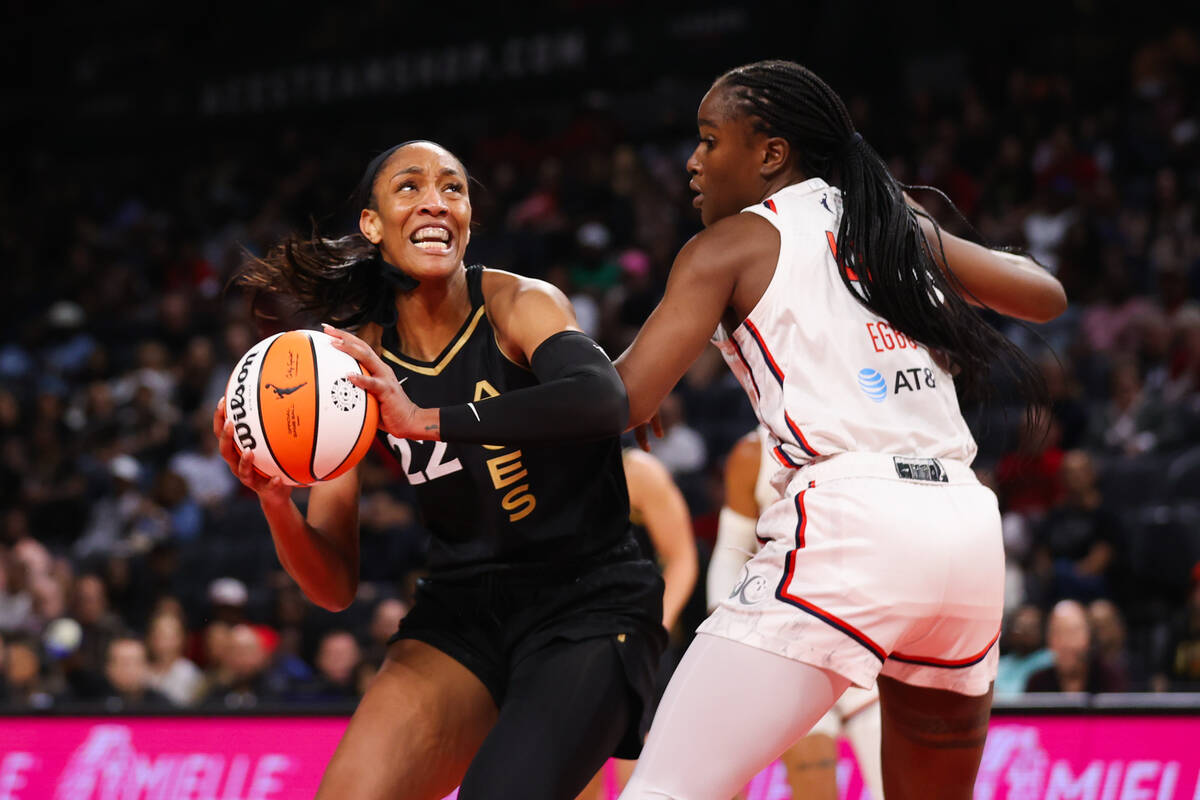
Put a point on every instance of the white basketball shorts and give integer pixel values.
(877, 564)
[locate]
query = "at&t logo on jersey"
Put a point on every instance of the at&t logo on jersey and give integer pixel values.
(875, 386)
(872, 384)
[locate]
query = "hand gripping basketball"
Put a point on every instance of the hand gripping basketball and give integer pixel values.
(398, 415)
(241, 462)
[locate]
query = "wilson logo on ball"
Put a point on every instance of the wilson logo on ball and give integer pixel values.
(293, 408)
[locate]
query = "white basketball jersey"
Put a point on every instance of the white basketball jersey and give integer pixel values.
(826, 375)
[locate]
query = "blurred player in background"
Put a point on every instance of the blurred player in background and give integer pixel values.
(811, 762)
(528, 657)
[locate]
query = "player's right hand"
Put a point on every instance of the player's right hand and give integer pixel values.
(241, 462)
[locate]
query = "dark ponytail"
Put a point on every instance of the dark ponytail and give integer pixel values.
(316, 279)
(879, 239)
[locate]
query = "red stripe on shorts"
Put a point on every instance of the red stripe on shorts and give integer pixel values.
(957, 663)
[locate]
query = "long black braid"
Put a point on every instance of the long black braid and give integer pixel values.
(879, 239)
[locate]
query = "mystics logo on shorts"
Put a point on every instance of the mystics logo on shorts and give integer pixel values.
(872, 384)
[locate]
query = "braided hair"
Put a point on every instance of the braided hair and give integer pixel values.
(879, 239)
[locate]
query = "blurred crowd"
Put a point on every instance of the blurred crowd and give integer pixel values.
(137, 573)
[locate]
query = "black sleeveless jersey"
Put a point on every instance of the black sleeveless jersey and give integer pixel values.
(496, 506)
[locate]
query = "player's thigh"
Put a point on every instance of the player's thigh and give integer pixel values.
(812, 767)
(567, 707)
(415, 731)
(932, 740)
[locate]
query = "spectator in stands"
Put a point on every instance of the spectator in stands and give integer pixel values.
(1179, 667)
(99, 627)
(16, 601)
(22, 685)
(1109, 635)
(385, 621)
(1076, 667)
(214, 653)
(169, 671)
(1022, 650)
(1074, 544)
(125, 521)
(242, 683)
(185, 517)
(337, 658)
(1028, 478)
(1066, 405)
(227, 598)
(1132, 420)
(209, 481)
(128, 678)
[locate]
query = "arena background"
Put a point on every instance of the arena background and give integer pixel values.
(157, 146)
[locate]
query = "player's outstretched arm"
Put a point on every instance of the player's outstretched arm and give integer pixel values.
(320, 552)
(664, 512)
(1011, 284)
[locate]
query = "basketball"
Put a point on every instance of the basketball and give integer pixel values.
(293, 408)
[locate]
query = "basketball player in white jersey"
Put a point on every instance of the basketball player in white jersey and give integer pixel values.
(811, 762)
(883, 558)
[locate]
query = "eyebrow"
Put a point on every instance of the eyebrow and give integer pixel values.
(416, 170)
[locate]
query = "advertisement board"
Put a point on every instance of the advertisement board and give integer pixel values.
(1069, 757)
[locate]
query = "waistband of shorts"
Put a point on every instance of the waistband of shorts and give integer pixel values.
(913, 469)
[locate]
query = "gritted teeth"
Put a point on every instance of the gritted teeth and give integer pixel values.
(431, 233)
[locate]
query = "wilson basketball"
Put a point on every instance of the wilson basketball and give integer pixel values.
(293, 408)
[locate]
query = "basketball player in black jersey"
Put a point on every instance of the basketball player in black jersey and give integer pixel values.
(529, 656)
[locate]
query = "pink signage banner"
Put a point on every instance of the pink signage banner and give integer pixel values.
(229, 758)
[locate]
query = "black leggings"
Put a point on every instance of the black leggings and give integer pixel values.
(566, 708)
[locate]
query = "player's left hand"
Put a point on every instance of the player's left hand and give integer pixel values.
(398, 415)
(642, 432)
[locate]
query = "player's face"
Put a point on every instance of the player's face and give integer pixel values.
(422, 215)
(725, 166)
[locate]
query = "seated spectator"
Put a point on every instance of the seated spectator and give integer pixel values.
(170, 673)
(1179, 667)
(1022, 650)
(128, 678)
(125, 521)
(1108, 633)
(337, 657)
(242, 678)
(99, 626)
(1027, 477)
(1133, 419)
(1075, 542)
(1076, 667)
(385, 621)
(23, 687)
(213, 653)
(209, 479)
(16, 599)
